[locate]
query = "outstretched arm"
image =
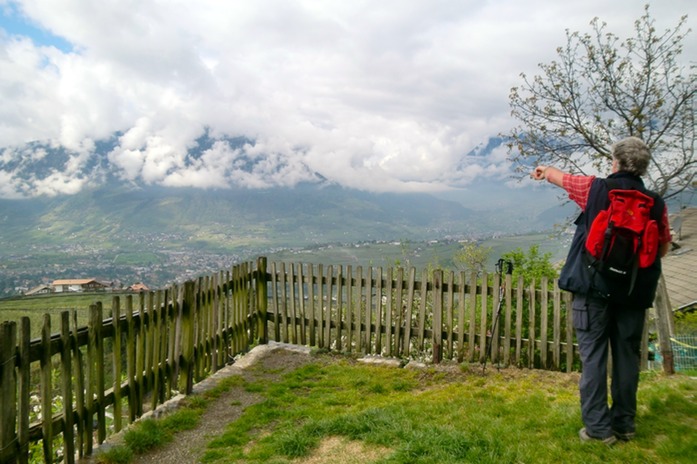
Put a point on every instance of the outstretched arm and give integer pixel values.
(553, 175)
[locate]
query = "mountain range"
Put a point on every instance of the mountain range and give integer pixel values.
(121, 233)
(124, 230)
(220, 219)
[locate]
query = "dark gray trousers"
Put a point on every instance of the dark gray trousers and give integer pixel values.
(599, 324)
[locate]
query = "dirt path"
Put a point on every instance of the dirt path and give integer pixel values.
(263, 362)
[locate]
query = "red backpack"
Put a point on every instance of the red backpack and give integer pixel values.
(623, 238)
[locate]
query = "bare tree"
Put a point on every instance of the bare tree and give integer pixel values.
(602, 89)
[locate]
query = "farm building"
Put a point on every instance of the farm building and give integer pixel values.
(138, 287)
(39, 290)
(77, 285)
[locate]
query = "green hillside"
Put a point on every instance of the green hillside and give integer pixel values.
(122, 235)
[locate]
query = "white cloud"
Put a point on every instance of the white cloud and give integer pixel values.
(10, 186)
(383, 95)
(129, 161)
(59, 183)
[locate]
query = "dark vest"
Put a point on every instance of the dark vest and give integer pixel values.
(579, 276)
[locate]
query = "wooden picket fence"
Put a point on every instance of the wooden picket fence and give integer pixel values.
(66, 391)
(442, 314)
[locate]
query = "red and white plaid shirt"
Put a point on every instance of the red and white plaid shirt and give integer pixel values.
(578, 188)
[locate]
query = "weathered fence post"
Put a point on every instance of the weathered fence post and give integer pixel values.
(389, 310)
(411, 289)
(519, 321)
(79, 388)
(312, 302)
(544, 321)
(186, 379)
(199, 308)
(378, 310)
(423, 294)
(149, 338)
(507, 320)
(664, 316)
(350, 309)
(532, 324)
(175, 346)
(556, 328)
(360, 308)
(285, 329)
(140, 353)
(293, 307)
(400, 308)
(46, 390)
(437, 331)
(116, 322)
(101, 380)
(23, 390)
(262, 301)
(462, 279)
(472, 318)
(302, 310)
(218, 338)
(131, 360)
(483, 324)
(157, 352)
(339, 306)
(497, 301)
(327, 318)
(8, 387)
(449, 306)
(367, 346)
(67, 390)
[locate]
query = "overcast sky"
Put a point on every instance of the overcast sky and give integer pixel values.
(380, 95)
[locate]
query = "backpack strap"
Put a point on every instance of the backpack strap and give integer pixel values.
(610, 184)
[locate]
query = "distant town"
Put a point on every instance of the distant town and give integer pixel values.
(159, 259)
(28, 274)
(84, 269)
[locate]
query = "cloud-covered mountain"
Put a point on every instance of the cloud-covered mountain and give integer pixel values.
(221, 162)
(63, 214)
(224, 187)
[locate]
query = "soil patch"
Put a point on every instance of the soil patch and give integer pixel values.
(335, 450)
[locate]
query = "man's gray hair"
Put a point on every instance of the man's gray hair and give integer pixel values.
(632, 155)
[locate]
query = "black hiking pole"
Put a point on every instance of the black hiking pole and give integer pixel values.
(502, 265)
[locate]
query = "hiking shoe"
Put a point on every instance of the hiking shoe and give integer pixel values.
(623, 436)
(611, 440)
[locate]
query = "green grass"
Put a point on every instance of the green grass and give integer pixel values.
(34, 307)
(431, 417)
(116, 455)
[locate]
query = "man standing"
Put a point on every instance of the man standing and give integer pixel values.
(603, 313)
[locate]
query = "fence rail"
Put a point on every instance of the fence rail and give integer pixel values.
(64, 392)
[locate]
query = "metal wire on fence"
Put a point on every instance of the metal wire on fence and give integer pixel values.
(684, 352)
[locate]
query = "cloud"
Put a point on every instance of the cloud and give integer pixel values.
(388, 95)
(58, 183)
(10, 186)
